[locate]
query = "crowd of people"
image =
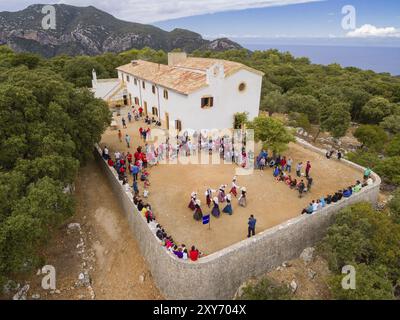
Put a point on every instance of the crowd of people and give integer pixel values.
(137, 165)
(347, 192)
(282, 169)
(221, 198)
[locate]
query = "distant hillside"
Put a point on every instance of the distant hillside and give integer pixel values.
(90, 31)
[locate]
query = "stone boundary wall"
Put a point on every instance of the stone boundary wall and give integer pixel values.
(218, 275)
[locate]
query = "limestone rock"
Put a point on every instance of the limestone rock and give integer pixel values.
(74, 226)
(293, 286)
(311, 274)
(307, 255)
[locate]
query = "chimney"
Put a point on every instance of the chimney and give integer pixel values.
(175, 58)
(94, 76)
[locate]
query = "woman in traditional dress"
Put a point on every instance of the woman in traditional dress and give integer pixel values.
(192, 203)
(221, 193)
(208, 194)
(242, 198)
(228, 207)
(198, 213)
(215, 210)
(234, 188)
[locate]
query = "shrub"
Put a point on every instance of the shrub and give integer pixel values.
(266, 289)
(361, 235)
(371, 284)
(389, 170)
(394, 207)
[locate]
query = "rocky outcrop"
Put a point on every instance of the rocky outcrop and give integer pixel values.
(87, 30)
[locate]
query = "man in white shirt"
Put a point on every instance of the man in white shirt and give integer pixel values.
(314, 206)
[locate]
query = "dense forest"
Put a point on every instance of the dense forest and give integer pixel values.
(49, 122)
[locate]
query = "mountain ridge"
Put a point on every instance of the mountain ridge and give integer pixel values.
(91, 31)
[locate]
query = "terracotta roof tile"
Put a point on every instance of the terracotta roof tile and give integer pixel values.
(184, 77)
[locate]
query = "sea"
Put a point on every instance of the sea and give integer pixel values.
(378, 59)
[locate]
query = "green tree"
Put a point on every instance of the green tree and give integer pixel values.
(362, 235)
(364, 158)
(266, 289)
(79, 71)
(240, 118)
(47, 129)
(393, 147)
(394, 206)
(272, 133)
(306, 104)
(391, 124)
(335, 119)
(376, 110)
(389, 170)
(274, 102)
(299, 120)
(371, 284)
(371, 136)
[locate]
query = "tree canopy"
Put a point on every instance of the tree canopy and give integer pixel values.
(271, 133)
(48, 127)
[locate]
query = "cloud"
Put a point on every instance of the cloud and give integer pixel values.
(148, 11)
(370, 31)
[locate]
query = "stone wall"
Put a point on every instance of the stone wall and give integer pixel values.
(218, 275)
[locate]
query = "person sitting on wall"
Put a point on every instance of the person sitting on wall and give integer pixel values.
(328, 199)
(368, 182)
(314, 205)
(308, 210)
(140, 205)
(110, 162)
(367, 173)
(357, 187)
(348, 192)
(178, 252)
(340, 195)
(335, 197)
(322, 202)
(194, 254)
(185, 254)
(136, 199)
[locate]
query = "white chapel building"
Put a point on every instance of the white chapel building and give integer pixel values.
(188, 93)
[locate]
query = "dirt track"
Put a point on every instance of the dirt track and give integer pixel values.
(113, 260)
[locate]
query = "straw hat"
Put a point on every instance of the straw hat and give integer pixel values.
(215, 199)
(243, 189)
(198, 202)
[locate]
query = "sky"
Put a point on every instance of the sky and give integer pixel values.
(253, 20)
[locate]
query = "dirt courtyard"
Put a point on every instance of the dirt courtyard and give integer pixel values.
(270, 202)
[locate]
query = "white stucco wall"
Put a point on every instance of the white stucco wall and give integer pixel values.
(228, 100)
(101, 88)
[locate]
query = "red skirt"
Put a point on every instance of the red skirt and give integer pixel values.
(191, 205)
(208, 199)
(233, 191)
